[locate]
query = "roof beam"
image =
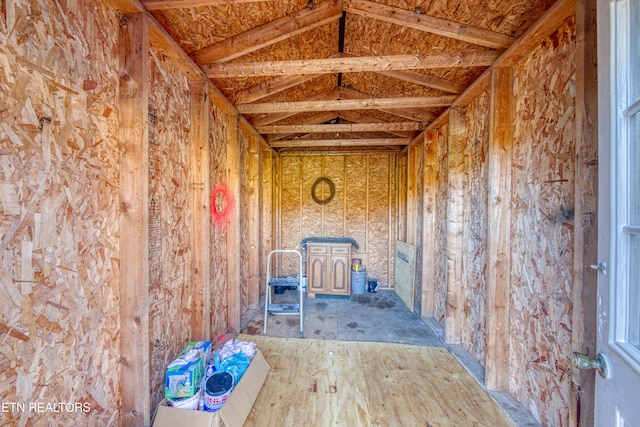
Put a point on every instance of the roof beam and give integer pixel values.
(343, 127)
(315, 119)
(181, 4)
(416, 114)
(358, 117)
(265, 119)
(474, 58)
(270, 87)
(429, 24)
(346, 104)
(426, 80)
(340, 142)
(270, 33)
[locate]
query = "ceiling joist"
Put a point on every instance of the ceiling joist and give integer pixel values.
(429, 24)
(416, 114)
(342, 127)
(315, 119)
(270, 33)
(474, 58)
(340, 142)
(347, 104)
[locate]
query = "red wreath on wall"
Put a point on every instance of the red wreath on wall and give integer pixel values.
(222, 203)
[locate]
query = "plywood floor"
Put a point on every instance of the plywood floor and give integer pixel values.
(351, 384)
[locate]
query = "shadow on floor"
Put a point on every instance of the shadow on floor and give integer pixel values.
(375, 317)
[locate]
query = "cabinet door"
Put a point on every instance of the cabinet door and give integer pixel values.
(340, 274)
(316, 274)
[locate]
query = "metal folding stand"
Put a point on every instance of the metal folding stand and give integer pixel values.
(283, 309)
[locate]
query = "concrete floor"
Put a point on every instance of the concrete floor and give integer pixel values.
(377, 317)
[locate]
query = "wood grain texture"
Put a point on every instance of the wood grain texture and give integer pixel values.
(171, 288)
(543, 199)
(134, 220)
(499, 240)
(360, 207)
(456, 202)
(475, 228)
(59, 211)
(367, 384)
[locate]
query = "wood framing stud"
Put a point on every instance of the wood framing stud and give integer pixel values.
(201, 277)
(499, 222)
(455, 227)
(134, 219)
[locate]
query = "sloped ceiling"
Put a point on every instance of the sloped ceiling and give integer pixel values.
(329, 74)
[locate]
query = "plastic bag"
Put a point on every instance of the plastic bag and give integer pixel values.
(236, 365)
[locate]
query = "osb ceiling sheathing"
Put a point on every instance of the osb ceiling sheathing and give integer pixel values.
(318, 74)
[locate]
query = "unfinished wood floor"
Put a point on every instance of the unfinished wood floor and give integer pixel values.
(336, 383)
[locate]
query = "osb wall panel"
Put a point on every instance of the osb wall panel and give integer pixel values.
(218, 163)
(243, 256)
(475, 228)
(290, 209)
(419, 207)
(170, 293)
(402, 197)
(542, 229)
(362, 208)
(440, 302)
(267, 220)
(381, 172)
(355, 210)
(59, 279)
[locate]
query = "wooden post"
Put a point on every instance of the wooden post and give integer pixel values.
(201, 222)
(455, 226)
(254, 223)
(429, 218)
(233, 226)
(134, 219)
(499, 223)
(584, 320)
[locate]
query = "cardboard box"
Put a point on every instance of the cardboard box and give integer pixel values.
(233, 413)
(185, 373)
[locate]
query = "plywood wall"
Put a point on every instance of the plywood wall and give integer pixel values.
(542, 242)
(542, 227)
(59, 210)
(442, 173)
(170, 255)
(218, 153)
(363, 206)
(475, 230)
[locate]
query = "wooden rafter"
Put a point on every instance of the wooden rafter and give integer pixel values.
(358, 117)
(416, 114)
(270, 33)
(346, 104)
(474, 58)
(342, 127)
(430, 24)
(181, 4)
(426, 80)
(340, 142)
(270, 87)
(315, 119)
(265, 119)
